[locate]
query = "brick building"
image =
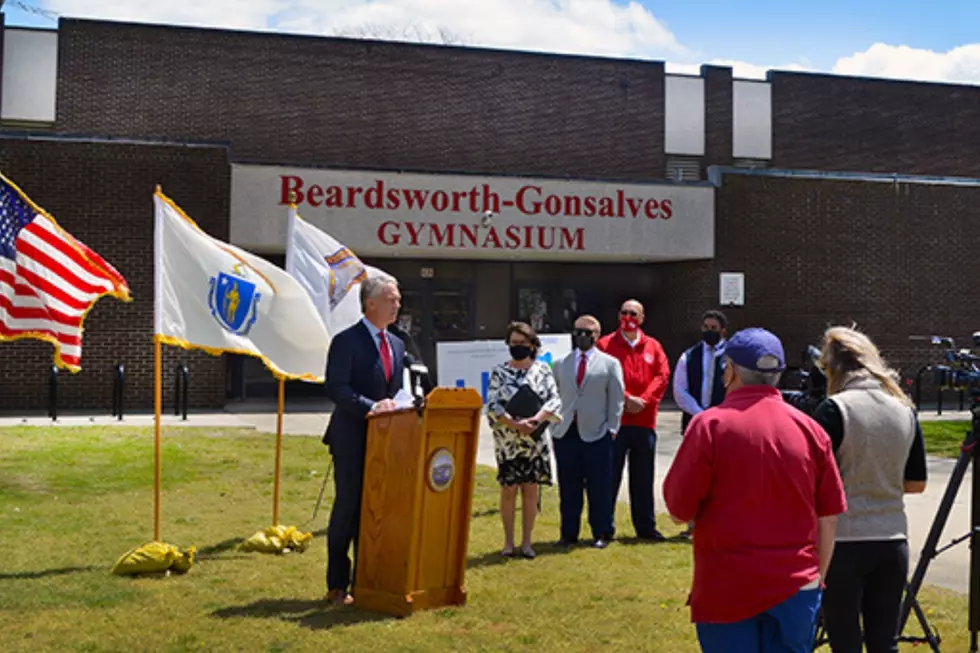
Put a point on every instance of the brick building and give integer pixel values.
(839, 199)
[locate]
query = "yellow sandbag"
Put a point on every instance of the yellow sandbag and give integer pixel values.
(278, 539)
(154, 558)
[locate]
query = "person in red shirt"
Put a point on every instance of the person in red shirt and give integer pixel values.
(759, 479)
(646, 373)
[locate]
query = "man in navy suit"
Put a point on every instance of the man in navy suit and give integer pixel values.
(364, 372)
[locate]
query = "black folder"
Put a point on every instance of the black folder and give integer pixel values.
(524, 404)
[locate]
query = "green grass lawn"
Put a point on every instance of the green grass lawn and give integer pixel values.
(73, 500)
(944, 437)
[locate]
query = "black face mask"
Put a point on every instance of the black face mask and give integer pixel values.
(520, 352)
(711, 338)
(584, 340)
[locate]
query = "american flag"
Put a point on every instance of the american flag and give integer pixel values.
(48, 280)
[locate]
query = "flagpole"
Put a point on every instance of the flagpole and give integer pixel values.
(275, 491)
(157, 358)
(157, 400)
(280, 409)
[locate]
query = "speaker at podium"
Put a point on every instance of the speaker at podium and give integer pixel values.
(419, 473)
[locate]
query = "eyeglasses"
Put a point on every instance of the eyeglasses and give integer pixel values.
(583, 332)
(630, 313)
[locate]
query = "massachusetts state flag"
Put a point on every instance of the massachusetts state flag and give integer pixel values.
(213, 296)
(48, 280)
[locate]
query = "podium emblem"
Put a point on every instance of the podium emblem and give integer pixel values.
(442, 470)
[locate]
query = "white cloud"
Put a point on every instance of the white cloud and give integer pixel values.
(233, 14)
(961, 64)
(598, 27)
(593, 27)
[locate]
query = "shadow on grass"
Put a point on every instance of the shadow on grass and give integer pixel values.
(636, 541)
(214, 550)
(44, 573)
(495, 558)
(314, 614)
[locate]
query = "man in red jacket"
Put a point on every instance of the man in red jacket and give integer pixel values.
(646, 372)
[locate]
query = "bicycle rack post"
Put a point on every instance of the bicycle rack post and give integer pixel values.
(180, 390)
(53, 394)
(118, 386)
(186, 374)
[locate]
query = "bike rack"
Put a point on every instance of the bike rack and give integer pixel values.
(53, 394)
(918, 386)
(180, 390)
(118, 385)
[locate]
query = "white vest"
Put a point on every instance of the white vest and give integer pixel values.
(878, 435)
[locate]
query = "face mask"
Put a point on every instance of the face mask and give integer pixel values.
(711, 338)
(628, 323)
(520, 352)
(584, 341)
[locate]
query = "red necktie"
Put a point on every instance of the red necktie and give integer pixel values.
(581, 370)
(385, 355)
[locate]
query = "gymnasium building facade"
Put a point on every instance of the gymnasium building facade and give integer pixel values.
(495, 185)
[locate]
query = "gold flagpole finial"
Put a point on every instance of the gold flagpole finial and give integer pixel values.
(292, 198)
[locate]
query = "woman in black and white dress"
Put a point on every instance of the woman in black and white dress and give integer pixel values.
(523, 461)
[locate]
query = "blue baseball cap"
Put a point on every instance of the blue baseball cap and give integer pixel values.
(756, 349)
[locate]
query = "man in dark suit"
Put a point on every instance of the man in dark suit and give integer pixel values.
(364, 372)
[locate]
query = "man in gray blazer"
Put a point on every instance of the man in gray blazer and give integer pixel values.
(590, 383)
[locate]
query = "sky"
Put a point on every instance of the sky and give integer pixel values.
(934, 41)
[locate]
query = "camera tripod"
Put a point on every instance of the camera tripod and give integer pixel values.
(969, 454)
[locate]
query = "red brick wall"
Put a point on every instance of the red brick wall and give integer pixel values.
(355, 103)
(102, 194)
(823, 122)
(898, 259)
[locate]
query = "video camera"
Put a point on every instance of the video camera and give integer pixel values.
(962, 368)
(813, 383)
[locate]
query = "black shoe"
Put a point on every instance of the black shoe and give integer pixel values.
(655, 536)
(600, 543)
(565, 544)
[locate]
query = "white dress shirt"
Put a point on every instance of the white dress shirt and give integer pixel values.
(682, 395)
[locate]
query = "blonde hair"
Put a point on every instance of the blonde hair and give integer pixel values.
(846, 352)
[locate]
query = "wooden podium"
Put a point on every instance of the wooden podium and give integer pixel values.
(419, 471)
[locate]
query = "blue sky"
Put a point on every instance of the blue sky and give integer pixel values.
(893, 38)
(762, 31)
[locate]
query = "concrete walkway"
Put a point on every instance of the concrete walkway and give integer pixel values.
(949, 570)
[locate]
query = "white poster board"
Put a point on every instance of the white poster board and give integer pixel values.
(467, 364)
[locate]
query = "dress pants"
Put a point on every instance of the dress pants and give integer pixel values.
(584, 467)
(639, 445)
(348, 475)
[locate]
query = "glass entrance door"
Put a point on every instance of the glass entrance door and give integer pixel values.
(553, 308)
(431, 315)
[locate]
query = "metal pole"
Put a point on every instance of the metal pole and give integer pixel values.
(185, 373)
(53, 394)
(975, 549)
(177, 379)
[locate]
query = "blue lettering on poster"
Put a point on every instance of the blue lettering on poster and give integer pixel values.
(484, 384)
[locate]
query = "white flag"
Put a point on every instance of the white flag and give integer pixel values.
(213, 296)
(330, 272)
